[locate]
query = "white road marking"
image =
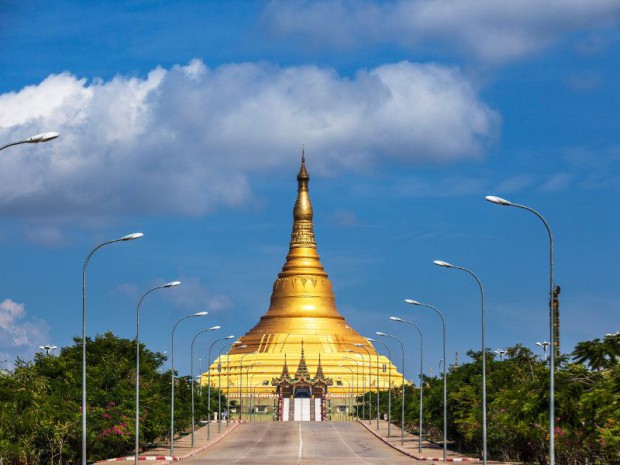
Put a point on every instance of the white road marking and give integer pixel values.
(301, 446)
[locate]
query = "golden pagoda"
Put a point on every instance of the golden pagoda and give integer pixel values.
(302, 315)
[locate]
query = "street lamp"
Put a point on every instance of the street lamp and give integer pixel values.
(349, 385)
(544, 345)
(47, 348)
(357, 386)
(165, 286)
(389, 383)
(241, 383)
(443, 360)
(219, 384)
(402, 413)
(172, 376)
(362, 346)
(228, 379)
(351, 391)
(44, 137)
(400, 320)
(363, 384)
(501, 353)
(128, 237)
(484, 355)
(209, 382)
(552, 322)
(191, 370)
(377, 381)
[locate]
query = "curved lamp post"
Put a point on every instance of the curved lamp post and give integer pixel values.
(44, 137)
(362, 346)
(352, 352)
(357, 386)
(400, 320)
(191, 370)
(402, 412)
(552, 322)
(209, 382)
(219, 384)
(165, 286)
(128, 237)
(445, 390)
(389, 383)
(378, 403)
(228, 379)
(241, 383)
(484, 354)
(350, 390)
(172, 376)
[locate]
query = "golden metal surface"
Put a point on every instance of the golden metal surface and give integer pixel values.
(303, 308)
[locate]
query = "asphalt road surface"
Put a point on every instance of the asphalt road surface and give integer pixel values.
(306, 443)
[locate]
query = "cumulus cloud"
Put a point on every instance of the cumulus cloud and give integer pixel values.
(193, 296)
(490, 30)
(15, 332)
(186, 140)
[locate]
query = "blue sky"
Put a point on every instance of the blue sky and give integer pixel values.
(185, 120)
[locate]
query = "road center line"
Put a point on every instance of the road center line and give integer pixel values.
(301, 445)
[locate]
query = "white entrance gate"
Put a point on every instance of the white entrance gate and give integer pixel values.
(302, 409)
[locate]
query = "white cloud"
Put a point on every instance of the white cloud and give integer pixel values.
(193, 296)
(489, 30)
(186, 140)
(15, 332)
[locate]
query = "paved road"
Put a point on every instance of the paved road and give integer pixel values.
(305, 443)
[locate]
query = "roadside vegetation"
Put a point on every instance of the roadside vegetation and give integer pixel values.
(587, 393)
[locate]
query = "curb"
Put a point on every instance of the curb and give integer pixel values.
(165, 459)
(418, 457)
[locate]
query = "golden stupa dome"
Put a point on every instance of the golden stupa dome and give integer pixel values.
(303, 315)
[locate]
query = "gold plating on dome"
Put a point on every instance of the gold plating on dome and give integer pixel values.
(303, 308)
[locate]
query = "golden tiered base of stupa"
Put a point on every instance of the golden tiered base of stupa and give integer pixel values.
(302, 313)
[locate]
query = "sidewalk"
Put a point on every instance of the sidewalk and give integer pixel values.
(182, 446)
(410, 447)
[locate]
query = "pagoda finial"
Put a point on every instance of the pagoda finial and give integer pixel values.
(319, 371)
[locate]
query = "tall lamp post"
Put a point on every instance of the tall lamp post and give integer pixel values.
(378, 404)
(44, 137)
(445, 390)
(209, 383)
(228, 379)
(400, 320)
(165, 286)
(357, 386)
(389, 384)
(352, 352)
(484, 354)
(552, 322)
(128, 237)
(172, 376)
(362, 346)
(350, 390)
(191, 370)
(241, 383)
(402, 411)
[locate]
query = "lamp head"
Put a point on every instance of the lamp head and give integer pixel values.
(412, 302)
(229, 337)
(395, 318)
(379, 333)
(370, 339)
(497, 200)
(132, 236)
(172, 284)
(200, 314)
(442, 263)
(358, 345)
(42, 137)
(213, 328)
